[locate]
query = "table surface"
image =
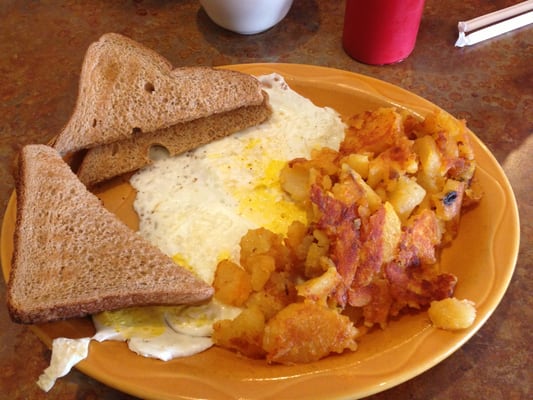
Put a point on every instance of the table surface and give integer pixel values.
(42, 45)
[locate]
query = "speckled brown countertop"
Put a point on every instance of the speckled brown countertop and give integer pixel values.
(491, 85)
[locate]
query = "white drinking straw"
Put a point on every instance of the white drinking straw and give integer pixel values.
(503, 21)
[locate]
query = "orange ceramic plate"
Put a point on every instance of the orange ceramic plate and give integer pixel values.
(483, 257)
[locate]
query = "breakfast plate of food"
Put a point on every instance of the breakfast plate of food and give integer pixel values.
(314, 170)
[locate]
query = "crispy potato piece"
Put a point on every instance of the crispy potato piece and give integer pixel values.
(298, 241)
(294, 179)
(392, 231)
(348, 191)
(243, 334)
(324, 160)
(259, 266)
(406, 196)
(319, 248)
(448, 202)
(454, 145)
(452, 313)
(392, 163)
(371, 198)
(299, 174)
(306, 332)
(380, 237)
(281, 285)
(372, 131)
(431, 173)
(377, 311)
(268, 303)
(358, 162)
(320, 288)
(431, 184)
(232, 284)
(257, 241)
(448, 206)
(428, 155)
(262, 241)
(420, 238)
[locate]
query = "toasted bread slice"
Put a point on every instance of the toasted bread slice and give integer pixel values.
(126, 88)
(107, 161)
(72, 257)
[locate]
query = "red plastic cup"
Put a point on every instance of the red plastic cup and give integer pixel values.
(381, 32)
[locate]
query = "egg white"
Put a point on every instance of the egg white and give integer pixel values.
(163, 332)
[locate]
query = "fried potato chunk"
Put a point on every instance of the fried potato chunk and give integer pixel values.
(232, 284)
(261, 241)
(452, 313)
(373, 131)
(243, 334)
(306, 332)
(260, 266)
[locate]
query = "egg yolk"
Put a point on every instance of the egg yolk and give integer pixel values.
(179, 259)
(265, 204)
(143, 322)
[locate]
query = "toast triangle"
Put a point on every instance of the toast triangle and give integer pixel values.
(126, 89)
(72, 257)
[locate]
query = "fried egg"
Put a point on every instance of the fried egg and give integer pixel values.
(196, 207)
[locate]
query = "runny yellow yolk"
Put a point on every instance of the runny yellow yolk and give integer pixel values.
(265, 204)
(179, 259)
(143, 322)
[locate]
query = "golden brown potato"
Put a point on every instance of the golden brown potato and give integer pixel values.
(244, 334)
(281, 285)
(257, 241)
(373, 131)
(448, 206)
(449, 201)
(294, 179)
(392, 231)
(358, 162)
(319, 248)
(232, 284)
(454, 145)
(306, 332)
(371, 198)
(259, 266)
(452, 313)
(267, 303)
(387, 166)
(406, 196)
(298, 241)
(320, 288)
(428, 156)
(264, 242)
